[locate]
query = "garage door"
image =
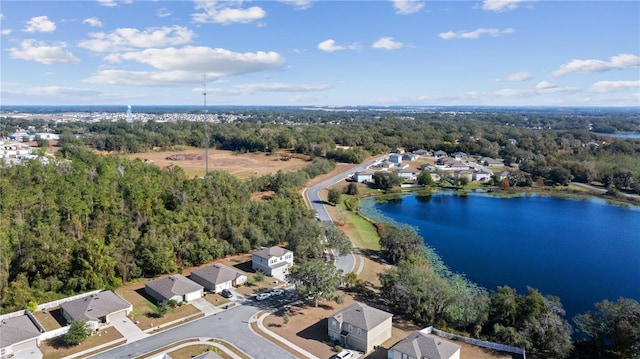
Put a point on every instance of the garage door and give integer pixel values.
(28, 345)
(191, 296)
(117, 315)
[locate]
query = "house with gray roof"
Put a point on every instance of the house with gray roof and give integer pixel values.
(419, 345)
(96, 309)
(273, 261)
(208, 355)
(491, 162)
(363, 176)
(19, 334)
(360, 327)
(174, 287)
(218, 277)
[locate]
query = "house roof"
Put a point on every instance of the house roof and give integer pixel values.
(218, 273)
(362, 316)
(270, 252)
(422, 345)
(94, 306)
(208, 355)
(176, 284)
(17, 329)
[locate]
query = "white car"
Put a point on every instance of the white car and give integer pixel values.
(345, 354)
(277, 291)
(263, 296)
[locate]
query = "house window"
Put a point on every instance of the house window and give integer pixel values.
(359, 331)
(334, 324)
(405, 356)
(350, 328)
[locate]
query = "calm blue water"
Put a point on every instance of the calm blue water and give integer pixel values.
(581, 251)
(620, 135)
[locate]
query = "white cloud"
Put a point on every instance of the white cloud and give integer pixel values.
(40, 24)
(501, 5)
(519, 77)
(387, 43)
(610, 86)
(129, 38)
(298, 4)
(5, 31)
(406, 7)
(93, 21)
(247, 89)
(622, 61)
(330, 46)
(33, 50)
(226, 12)
(163, 12)
(475, 34)
(186, 66)
(113, 3)
(544, 85)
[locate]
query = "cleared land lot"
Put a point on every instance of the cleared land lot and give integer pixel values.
(240, 165)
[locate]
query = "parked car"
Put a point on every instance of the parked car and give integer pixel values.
(345, 354)
(226, 293)
(262, 296)
(277, 291)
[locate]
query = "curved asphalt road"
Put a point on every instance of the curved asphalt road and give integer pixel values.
(346, 263)
(230, 325)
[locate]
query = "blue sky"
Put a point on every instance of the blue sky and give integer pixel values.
(302, 52)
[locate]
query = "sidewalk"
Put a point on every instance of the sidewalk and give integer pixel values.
(282, 340)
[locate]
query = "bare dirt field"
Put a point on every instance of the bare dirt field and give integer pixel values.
(240, 165)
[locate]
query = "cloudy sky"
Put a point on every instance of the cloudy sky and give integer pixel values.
(324, 52)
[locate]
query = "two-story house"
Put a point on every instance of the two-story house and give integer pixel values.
(273, 261)
(360, 327)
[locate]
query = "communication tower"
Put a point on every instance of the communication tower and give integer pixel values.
(206, 134)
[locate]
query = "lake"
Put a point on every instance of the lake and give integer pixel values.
(583, 251)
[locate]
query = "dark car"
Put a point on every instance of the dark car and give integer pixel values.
(226, 293)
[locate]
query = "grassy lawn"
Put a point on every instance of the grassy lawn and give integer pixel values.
(51, 320)
(194, 350)
(54, 348)
(216, 299)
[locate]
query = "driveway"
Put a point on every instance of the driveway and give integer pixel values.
(129, 330)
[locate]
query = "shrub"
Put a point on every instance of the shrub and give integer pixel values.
(337, 348)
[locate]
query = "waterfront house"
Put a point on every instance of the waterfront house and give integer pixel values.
(419, 345)
(360, 327)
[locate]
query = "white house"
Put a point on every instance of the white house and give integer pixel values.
(96, 309)
(363, 177)
(175, 287)
(218, 277)
(422, 345)
(406, 174)
(481, 175)
(47, 136)
(491, 162)
(273, 261)
(19, 335)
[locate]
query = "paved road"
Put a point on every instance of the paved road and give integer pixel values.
(346, 263)
(230, 325)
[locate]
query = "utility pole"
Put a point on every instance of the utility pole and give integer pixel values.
(206, 132)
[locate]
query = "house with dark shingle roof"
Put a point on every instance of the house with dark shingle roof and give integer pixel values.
(218, 277)
(273, 261)
(18, 334)
(421, 345)
(174, 287)
(96, 309)
(360, 327)
(208, 355)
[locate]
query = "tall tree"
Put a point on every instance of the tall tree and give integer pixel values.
(337, 239)
(315, 279)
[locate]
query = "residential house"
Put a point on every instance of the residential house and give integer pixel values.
(459, 155)
(46, 136)
(96, 309)
(406, 174)
(19, 334)
(273, 261)
(481, 175)
(208, 355)
(422, 153)
(398, 150)
(174, 287)
(449, 164)
(218, 277)
(395, 158)
(419, 345)
(491, 162)
(409, 157)
(502, 175)
(439, 154)
(363, 177)
(360, 327)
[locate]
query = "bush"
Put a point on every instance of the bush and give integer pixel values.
(259, 276)
(337, 348)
